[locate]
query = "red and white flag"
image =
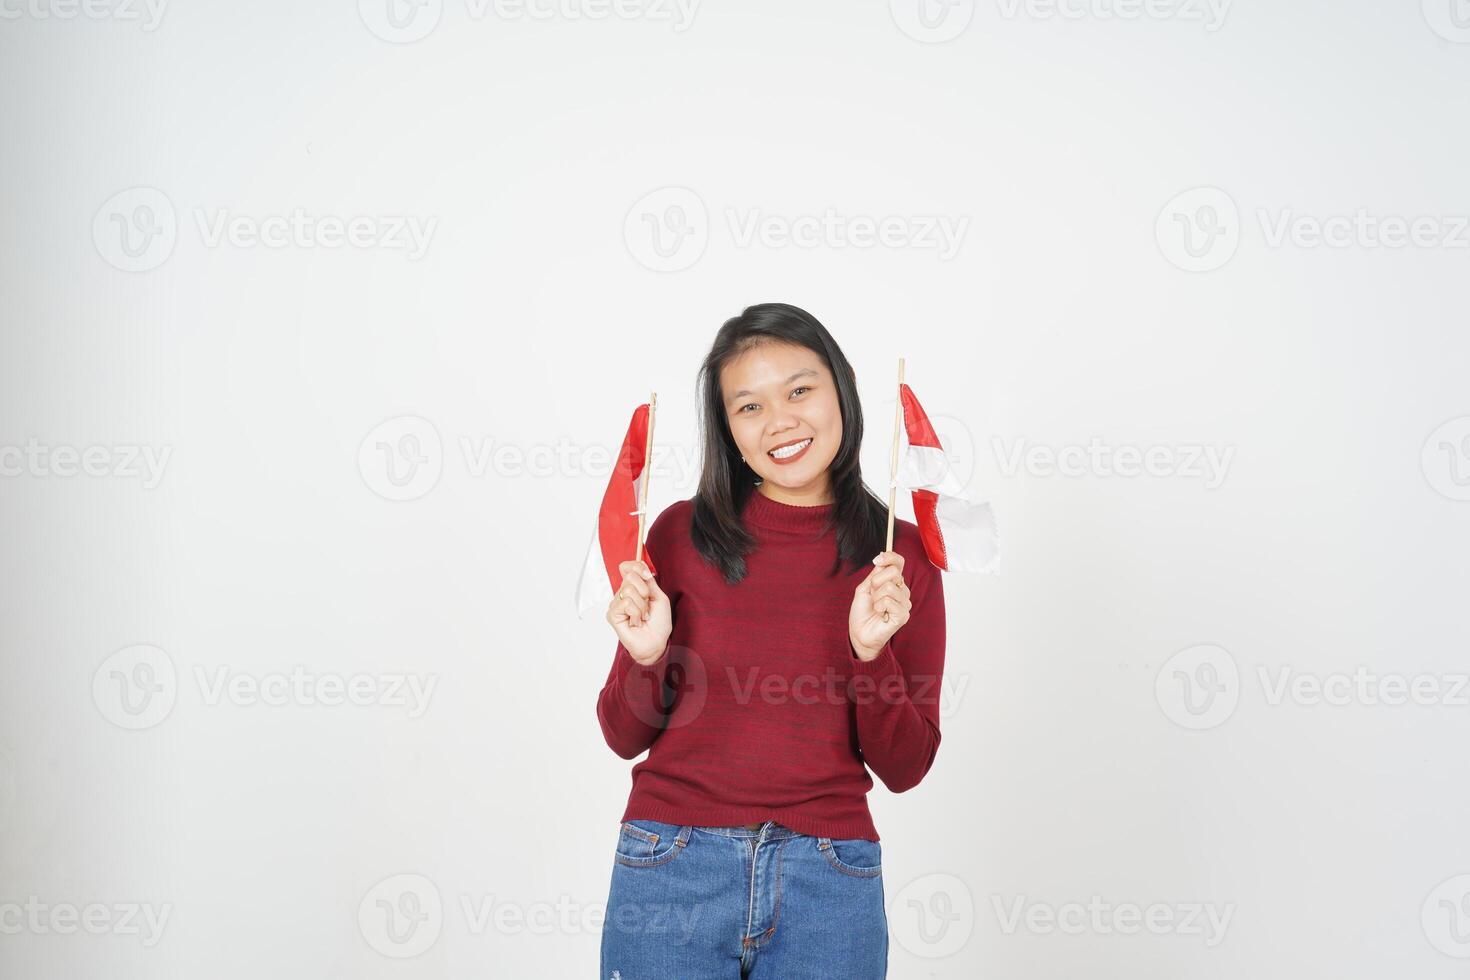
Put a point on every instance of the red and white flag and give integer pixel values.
(615, 537)
(959, 532)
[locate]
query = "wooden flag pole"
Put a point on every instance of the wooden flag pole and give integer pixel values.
(643, 480)
(893, 460)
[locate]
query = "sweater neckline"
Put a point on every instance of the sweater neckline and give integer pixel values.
(773, 514)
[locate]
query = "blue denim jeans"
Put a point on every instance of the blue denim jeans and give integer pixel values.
(700, 903)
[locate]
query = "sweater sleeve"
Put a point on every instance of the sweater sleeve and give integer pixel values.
(630, 705)
(897, 692)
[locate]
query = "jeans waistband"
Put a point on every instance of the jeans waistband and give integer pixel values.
(772, 830)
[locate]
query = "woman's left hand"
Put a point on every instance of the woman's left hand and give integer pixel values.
(882, 592)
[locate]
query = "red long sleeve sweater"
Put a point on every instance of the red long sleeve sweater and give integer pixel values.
(759, 708)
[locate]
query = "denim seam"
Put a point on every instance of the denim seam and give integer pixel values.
(770, 933)
(680, 841)
(830, 853)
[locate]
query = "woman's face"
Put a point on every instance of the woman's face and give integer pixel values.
(777, 394)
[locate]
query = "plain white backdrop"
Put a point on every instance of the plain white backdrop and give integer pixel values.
(321, 322)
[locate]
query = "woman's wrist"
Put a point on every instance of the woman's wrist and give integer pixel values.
(650, 661)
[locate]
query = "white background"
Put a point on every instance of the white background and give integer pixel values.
(1080, 149)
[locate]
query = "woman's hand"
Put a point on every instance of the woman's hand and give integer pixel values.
(880, 606)
(641, 614)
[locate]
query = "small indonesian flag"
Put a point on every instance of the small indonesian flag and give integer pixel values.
(959, 533)
(615, 538)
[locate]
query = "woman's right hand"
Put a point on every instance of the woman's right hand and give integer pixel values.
(640, 613)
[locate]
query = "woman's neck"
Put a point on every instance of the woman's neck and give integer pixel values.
(814, 498)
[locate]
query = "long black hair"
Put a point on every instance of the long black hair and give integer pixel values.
(726, 481)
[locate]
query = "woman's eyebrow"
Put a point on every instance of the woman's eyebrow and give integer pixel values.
(746, 391)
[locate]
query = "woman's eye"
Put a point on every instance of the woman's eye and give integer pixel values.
(795, 390)
(744, 407)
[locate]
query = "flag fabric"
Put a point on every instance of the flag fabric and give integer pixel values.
(615, 536)
(959, 531)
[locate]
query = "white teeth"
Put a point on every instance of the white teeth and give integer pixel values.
(792, 450)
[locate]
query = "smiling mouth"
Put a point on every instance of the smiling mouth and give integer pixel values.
(790, 449)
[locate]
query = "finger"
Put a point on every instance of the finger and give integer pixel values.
(892, 609)
(635, 569)
(898, 591)
(621, 616)
(886, 558)
(887, 573)
(637, 606)
(634, 585)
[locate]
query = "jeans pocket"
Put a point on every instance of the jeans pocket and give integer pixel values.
(647, 843)
(853, 855)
